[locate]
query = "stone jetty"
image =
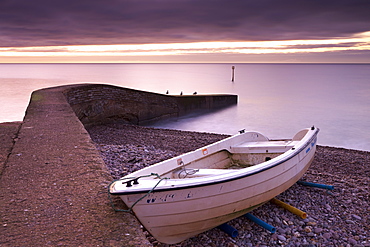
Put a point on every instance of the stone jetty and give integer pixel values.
(53, 180)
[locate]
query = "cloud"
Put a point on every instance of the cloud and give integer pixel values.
(82, 22)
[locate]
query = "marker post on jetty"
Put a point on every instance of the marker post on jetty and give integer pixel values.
(232, 73)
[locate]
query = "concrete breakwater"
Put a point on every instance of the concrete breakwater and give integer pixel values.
(99, 104)
(53, 180)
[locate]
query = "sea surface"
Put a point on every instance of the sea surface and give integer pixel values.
(275, 99)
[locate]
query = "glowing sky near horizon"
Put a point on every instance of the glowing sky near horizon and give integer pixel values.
(359, 42)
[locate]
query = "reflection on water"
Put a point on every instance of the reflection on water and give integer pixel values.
(276, 100)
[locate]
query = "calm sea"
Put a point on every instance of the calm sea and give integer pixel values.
(274, 99)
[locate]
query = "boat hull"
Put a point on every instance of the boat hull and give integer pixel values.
(173, 216)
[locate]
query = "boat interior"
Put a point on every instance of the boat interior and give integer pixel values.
(247, 153)
(225, 161)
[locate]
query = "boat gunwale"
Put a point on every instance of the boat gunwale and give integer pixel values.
(273, 164)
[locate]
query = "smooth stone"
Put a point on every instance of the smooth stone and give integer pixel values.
(281, 238)
(356, 217)
(352, 241)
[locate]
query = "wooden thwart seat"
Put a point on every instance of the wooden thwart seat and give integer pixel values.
(263, 147)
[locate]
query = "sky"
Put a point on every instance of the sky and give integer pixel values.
(182, 31)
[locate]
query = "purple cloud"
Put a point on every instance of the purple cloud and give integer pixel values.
(77, 22)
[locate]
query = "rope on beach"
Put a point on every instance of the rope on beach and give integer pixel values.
(141, 198)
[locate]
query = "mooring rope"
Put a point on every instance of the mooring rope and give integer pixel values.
(129, 210)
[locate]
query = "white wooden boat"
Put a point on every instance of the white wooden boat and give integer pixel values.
(194, 192)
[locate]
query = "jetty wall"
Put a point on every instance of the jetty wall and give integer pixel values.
(53, 180)
(99, 104)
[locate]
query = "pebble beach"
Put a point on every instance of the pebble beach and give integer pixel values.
(338, 217)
